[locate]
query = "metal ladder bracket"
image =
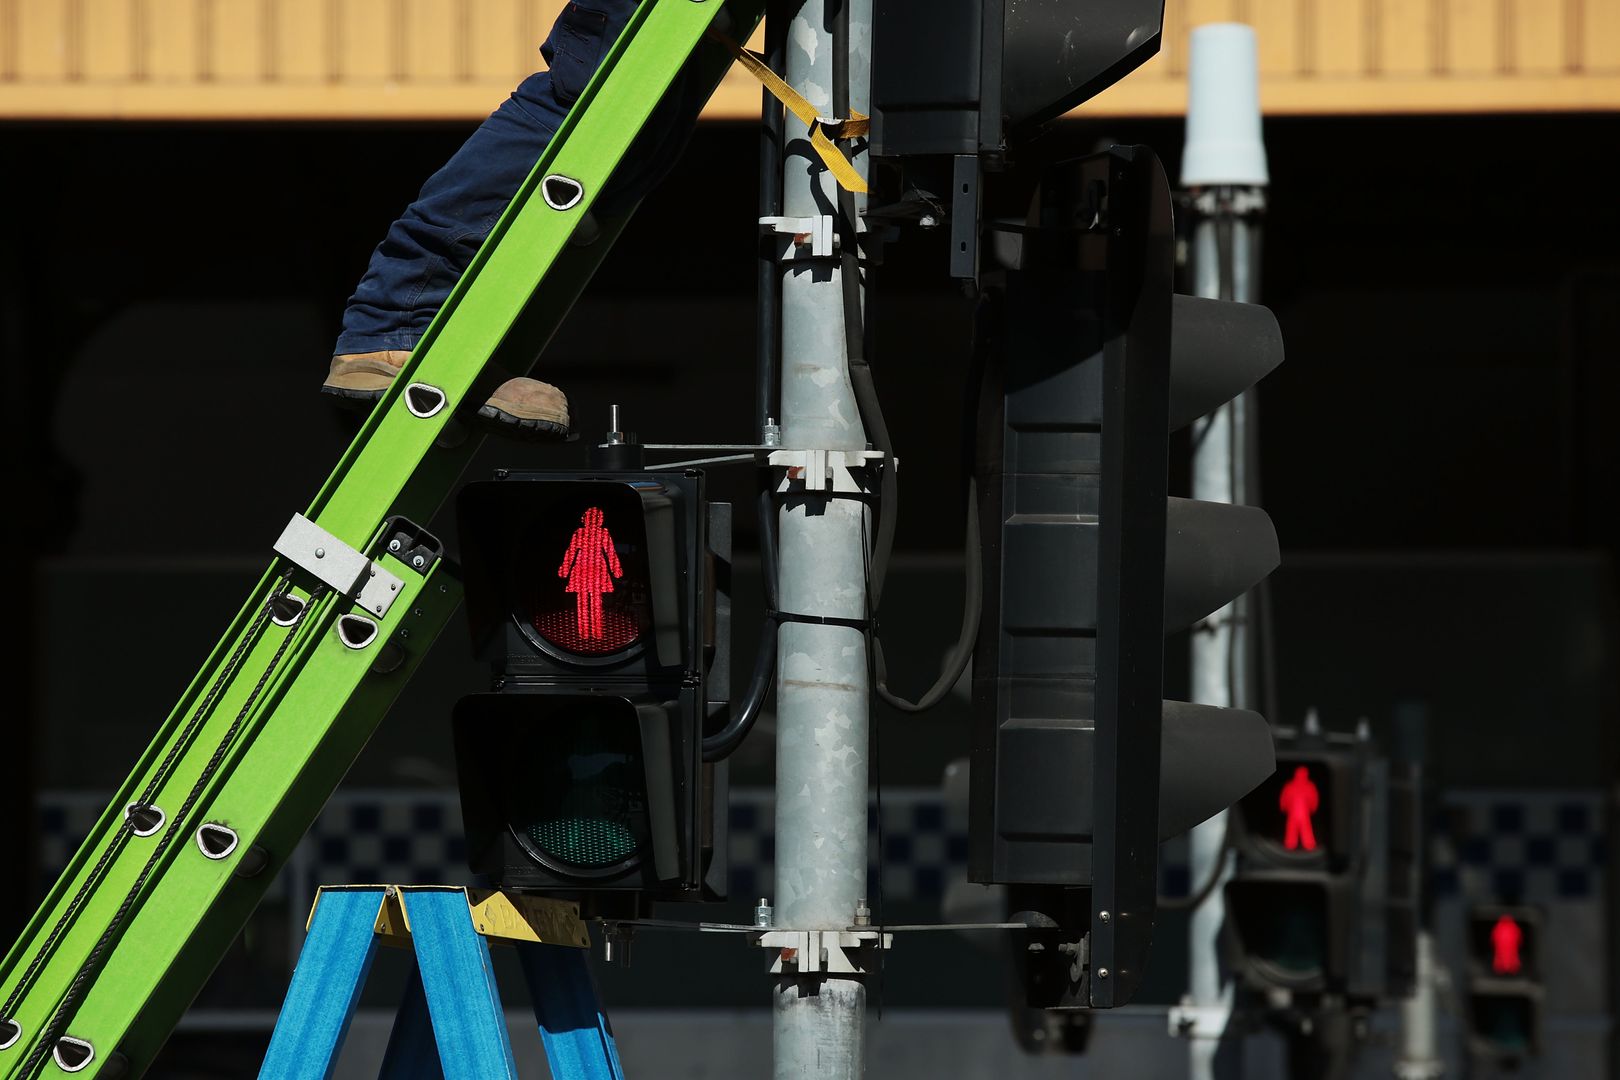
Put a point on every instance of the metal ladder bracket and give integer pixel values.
(345, 568)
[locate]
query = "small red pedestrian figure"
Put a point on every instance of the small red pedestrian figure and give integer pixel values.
(1506, 938)
(586, 565)
(1298, 801)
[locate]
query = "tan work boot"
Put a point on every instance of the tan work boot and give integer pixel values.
(518, 406)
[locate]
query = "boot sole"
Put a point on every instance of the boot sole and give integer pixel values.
(497, 421)
(501, 422)
(352, 400)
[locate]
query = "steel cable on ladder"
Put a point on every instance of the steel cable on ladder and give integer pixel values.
(65, 1011)
(127, 826)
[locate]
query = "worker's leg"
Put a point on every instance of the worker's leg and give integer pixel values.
(413, 270)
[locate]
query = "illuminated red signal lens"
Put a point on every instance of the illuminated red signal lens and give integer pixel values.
(590, 565)
(581, 568)
(1506, 940)
(1299, 801)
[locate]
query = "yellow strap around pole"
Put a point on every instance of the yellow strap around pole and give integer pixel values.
(854, 127)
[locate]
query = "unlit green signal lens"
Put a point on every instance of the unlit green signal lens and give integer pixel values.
(586, 798)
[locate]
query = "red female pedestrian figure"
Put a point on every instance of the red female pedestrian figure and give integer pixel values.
(1298, 801)
(586, 565)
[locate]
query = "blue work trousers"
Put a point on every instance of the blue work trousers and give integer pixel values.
(413, 270)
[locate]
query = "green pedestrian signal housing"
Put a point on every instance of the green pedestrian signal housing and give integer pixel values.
(1079, 767)
(593, 597)
(1324, 896)
(1505, 989)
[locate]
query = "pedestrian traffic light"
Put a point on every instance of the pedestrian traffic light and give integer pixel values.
(1299, 844)
(591, 595)
(1079, 767)
(1505, 993)
(1323, 898)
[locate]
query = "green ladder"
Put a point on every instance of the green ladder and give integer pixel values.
(356, 593)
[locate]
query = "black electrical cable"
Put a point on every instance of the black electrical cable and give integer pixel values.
(723, 743)
(854, 340)
(1192, 900)
(767, 365)
(768, 270)
(866, 400)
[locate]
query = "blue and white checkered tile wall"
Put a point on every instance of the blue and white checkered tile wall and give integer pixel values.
(1508, 845)
(1518, 847)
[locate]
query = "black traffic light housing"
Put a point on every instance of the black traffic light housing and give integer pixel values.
(1079, 768)
(956, 85)
(1327, 905)
(593, 597)
(963, 77)
(1505, 987)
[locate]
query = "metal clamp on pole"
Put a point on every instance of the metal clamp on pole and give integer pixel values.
(824, 470)
(344, 568)
(817, 233)
(830, 952)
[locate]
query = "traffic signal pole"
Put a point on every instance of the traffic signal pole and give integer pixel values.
(1225, 167)
(823, 691)
(1419, 1054)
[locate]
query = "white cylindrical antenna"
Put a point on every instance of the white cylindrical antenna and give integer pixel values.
(1223, 110)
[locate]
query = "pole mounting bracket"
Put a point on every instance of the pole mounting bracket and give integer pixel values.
(824, 470)
(818, 233)
(821, 952)
(1190, 1021)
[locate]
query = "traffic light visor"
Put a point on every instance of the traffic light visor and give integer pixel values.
(575, 790)
(586, 784)
(1281, 927)
(1505, 1021)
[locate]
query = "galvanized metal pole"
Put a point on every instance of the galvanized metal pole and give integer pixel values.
(1225, 164)
(822, 689)
(1419, 1056)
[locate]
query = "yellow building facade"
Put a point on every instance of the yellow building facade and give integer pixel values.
(456, 59)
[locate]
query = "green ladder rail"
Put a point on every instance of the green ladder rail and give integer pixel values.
(450, 1024)
(327, 639)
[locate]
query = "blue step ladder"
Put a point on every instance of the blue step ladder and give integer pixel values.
(451, 1003)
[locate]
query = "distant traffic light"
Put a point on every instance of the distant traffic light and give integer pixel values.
(590, 596)
(1505, 992)
(1079, 767)
(1323, 899)
(1293, 896)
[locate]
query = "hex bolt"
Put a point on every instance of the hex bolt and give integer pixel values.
(418, 561)
(394, 544)
(764, 914)
(863, 914)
